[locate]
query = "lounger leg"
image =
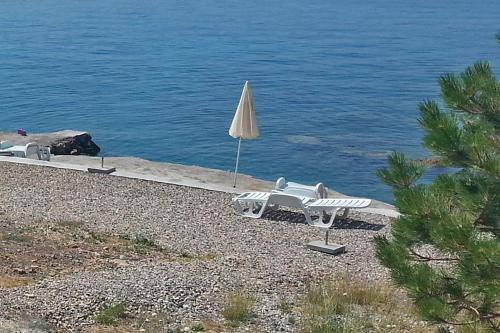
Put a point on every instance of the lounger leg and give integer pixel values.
(320, 221)
(246, 210)
(237, 206)
(321, 217)
(332, 218)
(307, 214)
(249, 213)
(273, 206)
(344, 215)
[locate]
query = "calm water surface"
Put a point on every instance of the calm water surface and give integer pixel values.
(336, 83)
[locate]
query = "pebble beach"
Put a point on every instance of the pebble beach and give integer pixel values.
(266, 258)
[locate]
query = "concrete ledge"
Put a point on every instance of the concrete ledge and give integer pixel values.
(173, 177)
(125, 174)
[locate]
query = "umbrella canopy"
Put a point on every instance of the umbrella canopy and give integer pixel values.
(244, 123)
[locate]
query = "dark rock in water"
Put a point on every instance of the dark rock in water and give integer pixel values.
(80, 144)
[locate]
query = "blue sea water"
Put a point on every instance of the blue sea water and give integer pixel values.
(336, 84)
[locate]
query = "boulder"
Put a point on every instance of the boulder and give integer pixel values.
(80, 144)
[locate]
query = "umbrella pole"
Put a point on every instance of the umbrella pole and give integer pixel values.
(237, 161)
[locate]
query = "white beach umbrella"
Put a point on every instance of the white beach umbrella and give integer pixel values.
(244, 125)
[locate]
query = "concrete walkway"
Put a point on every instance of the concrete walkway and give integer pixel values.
(191, 176)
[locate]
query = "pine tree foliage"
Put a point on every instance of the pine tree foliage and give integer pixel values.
(444, 248)
(402, 172)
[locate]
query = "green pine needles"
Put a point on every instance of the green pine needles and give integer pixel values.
(444, 249)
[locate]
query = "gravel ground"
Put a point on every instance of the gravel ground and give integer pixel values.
(266, 258)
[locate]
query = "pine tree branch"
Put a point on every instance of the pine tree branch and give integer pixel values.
(478, 223)
(485, 228)
(485, 317)
(474, 110)
(472, 309)
(426, 258)
(494, 325)
(476, 313)
(455, 323)
(432, 161)
(488, 318)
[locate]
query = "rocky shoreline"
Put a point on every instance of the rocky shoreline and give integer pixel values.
(227, 253)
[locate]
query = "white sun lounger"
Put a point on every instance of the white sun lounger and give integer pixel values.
(322, 206)
(253, 204)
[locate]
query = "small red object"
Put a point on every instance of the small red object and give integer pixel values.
(21, 132)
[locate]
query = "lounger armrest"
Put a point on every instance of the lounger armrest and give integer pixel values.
(280, 184)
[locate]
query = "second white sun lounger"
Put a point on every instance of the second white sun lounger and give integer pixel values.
(253, 204)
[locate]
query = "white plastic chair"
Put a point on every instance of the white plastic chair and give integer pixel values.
(30, 149)
(44, 153)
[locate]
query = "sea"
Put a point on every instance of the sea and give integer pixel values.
(336, 83)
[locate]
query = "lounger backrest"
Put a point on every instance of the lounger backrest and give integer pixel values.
(301, 192)
(318, 192)
(285, 200)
